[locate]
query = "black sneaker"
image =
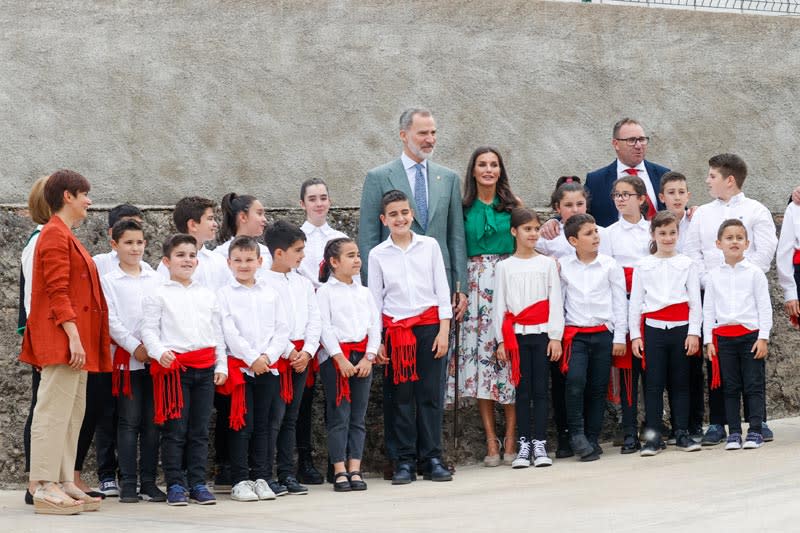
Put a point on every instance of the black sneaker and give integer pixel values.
(650, 449)
(630, 444)
(766, 433)
(564, 449)
(307, 472)
(150, 492)
(715, 434)
(685, 443)
(278, 488)
(127, 494)
(292, 486)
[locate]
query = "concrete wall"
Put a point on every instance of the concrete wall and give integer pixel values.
(208, 96)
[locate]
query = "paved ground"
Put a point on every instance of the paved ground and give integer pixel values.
(711, 490)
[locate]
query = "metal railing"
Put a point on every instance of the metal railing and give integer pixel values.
(767, 7)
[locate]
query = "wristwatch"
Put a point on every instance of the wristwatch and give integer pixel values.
(370, 357)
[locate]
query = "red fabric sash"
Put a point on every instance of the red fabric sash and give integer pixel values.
(235, 388)
(566, 342)
(672, 313)
(167, 391)
(731, 330)
(404, 343)
(284, 368)
(628, 278)
(343, 383)
(533, 315)
(796, 257)
(121, 373)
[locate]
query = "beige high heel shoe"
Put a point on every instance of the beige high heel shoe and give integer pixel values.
(47, 499)
(494, 459)
(89, 503)
(508, 458)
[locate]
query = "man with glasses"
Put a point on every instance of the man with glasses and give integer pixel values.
(630, 144)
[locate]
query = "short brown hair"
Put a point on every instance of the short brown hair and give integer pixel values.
(621, 122)
(38, 207)
(730, 223)
(173, 241)
(62, 181)
(190, 208)
(669, 177)
(730, 165)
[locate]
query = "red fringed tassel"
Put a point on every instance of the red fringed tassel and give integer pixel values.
(716, 377)
(121, 373)
(167, 393)
(342, 385)
(284, 368)
(511, 347)
(238, 408)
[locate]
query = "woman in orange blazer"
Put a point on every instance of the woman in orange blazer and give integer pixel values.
(66, 336)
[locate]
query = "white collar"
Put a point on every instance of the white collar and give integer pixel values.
(409, 163)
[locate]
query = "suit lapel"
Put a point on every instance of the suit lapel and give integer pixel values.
(434, 188)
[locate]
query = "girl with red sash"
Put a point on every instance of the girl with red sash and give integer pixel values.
(529, 322)
(664, 321)
(737, 319)
(627, 241)
(351, 337)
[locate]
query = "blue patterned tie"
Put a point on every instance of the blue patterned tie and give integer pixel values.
(420, 198)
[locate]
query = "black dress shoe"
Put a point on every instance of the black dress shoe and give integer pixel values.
(436, 471)
(403, 474)
(307, 473)
(357, 484)
(28, 497)
(341, 482)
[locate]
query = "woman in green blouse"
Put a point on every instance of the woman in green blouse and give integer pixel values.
(488, 201)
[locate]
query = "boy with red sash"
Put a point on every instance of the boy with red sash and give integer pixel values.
(664, 321)
(737, 319)
(408, 281)
(125, 287)
(725, 179)
(529, 323)
(595, 308)
(182, 332)
(286, 243)
(256, 332)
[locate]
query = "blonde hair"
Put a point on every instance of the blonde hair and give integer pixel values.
(38, 208)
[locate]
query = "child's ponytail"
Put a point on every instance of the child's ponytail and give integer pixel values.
(662, 218)
(232, 204)
(332, 249)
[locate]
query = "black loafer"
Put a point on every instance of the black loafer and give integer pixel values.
(341, 486)
(357, 484)
(436, 471)
(403, 474)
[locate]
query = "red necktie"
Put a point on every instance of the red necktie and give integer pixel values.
(651, 209)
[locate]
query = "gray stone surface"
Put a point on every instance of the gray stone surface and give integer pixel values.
(153, 101)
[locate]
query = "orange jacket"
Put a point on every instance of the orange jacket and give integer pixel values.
(65, 287)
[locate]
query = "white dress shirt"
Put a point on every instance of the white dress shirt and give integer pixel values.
(348, 314)
(701, 245)
(788, 242)
(253, 323)
(683, 233)
(183, 319)
(642, 173)
(626, 242)
(266, 257)
(27, 267)
(594, 294)
(737, 295)
(125, 294)
(520, 283)
(659, 282)
(212, 270)
(316, 239)
(302, 313)
(404, 283)
(107, 262)
(411, 173)
(556, 247)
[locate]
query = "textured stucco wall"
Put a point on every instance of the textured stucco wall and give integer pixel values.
(154, 100)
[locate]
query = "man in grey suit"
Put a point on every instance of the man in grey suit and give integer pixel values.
(434, 193)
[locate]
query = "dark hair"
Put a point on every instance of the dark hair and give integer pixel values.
(245, 243)
(669, 177)
(232, 204)
(575, 222)
(38, 208)
(123, 211)
(622, 122)
(281, 235)
(392, 196)
(190, 208)
(662, 218)
(308, 183)
(523, 215)
(332, 249)
(566, 184)
(730, 165)
(730, 223)
(638, 187)
(407, 116)
(126, 224)
(507, 199)
(175, 240)
(62, 181)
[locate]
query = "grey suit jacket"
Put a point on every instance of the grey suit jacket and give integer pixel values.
(445, 216)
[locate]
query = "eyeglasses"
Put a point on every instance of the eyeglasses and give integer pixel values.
(622, 195)
(631, 141)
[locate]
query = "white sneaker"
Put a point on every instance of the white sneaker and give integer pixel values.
(243, 492)
(262, 490)
(540, 457)
(523, 459)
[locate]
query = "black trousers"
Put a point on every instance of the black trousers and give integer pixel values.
(346, 421)
(287, 434)
(222, 405)
(533, 386)
(667, 363)
(742, 377)
(417, 406)
(630, 411)
(36, 377)
(137, 434)
(558, 385)
(100, 424)
(587, 383)
(304, 416)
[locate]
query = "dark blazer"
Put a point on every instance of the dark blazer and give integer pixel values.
(445, 216)
(599, 183)
(65, 287)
